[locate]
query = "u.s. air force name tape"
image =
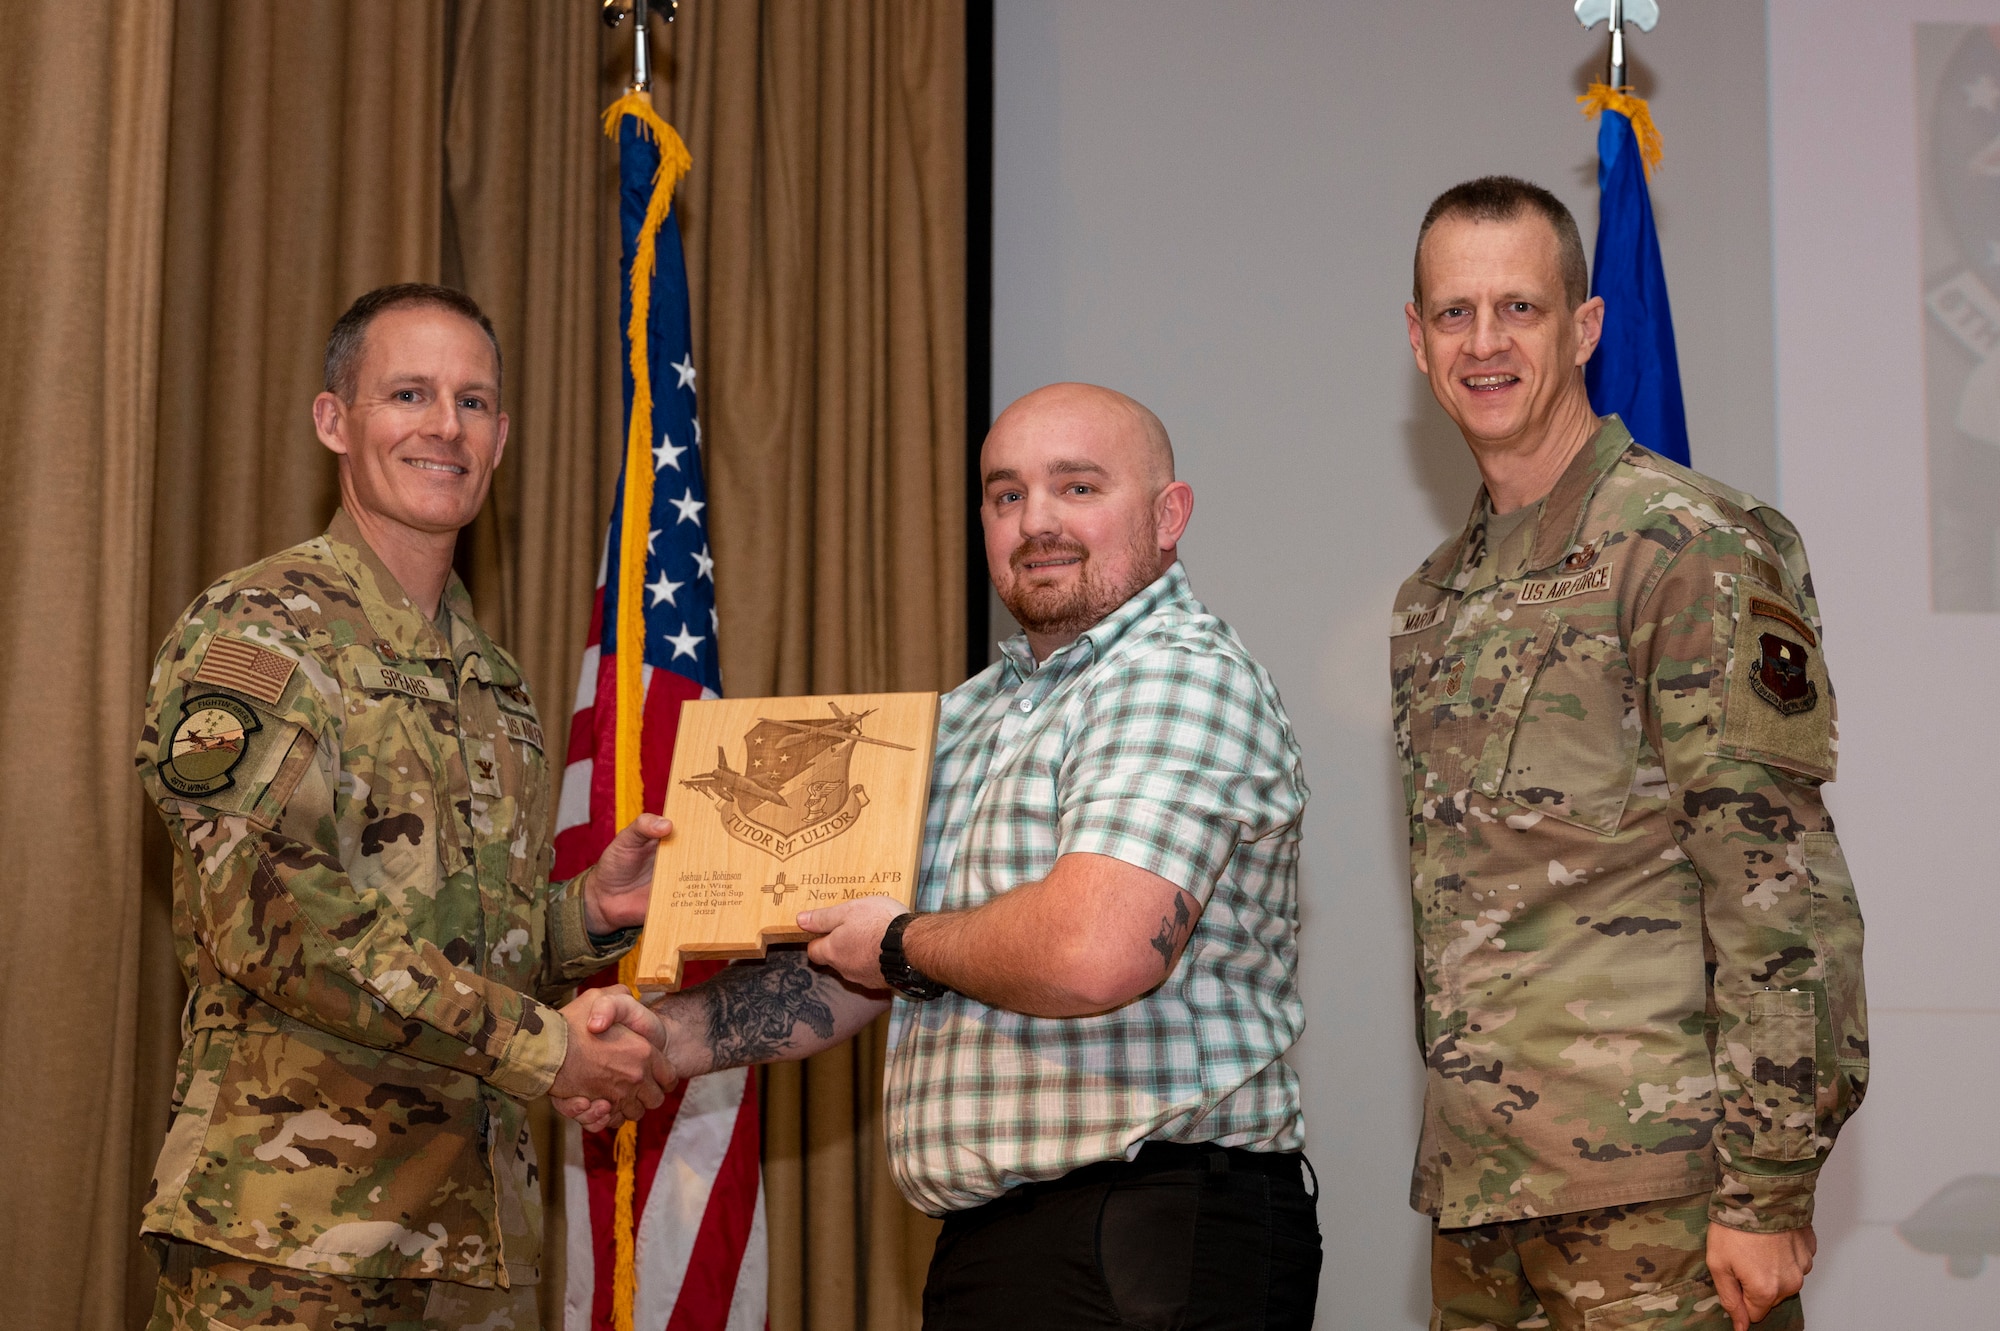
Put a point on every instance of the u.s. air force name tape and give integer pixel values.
(1544, 590)
(521, 728)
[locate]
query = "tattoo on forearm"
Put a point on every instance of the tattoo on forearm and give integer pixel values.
(1171, 931)
(755, 1012)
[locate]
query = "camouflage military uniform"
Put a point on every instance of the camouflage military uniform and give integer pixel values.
(358, 800)
(1613, 1268)
(1639, 950)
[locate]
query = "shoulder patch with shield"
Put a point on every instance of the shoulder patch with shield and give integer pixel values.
(208, 745)
(1776, 704)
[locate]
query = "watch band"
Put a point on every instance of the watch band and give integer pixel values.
(898, 973)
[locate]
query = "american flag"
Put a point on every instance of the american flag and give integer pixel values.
(697, 1213)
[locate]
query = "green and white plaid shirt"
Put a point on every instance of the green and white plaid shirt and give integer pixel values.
(1154, 739)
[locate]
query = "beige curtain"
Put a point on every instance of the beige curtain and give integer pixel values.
(82, 175)
(190, 194)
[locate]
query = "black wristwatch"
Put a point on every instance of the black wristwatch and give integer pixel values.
(898, 973)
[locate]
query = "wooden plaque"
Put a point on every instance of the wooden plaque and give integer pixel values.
(780, 805)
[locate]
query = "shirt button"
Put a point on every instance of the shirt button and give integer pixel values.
(1027, 706)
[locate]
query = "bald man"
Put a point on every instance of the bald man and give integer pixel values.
(1085, 1075)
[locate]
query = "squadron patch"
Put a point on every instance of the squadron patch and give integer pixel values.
(210, 741)
(1780, 675)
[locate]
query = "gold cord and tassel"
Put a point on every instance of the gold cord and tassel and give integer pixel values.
(629, 798)
(1603, 97)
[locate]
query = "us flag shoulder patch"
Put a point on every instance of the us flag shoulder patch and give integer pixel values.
(234, 663)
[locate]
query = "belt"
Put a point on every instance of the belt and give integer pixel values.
(1156, 1157)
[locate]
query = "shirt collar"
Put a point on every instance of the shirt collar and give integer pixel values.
(1466, 564)
(399, 625)
(1099, 638)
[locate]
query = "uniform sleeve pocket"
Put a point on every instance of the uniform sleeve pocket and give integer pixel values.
(1784, 1027)
(1837, 932)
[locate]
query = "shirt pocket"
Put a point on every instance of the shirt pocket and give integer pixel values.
(1575, 742)
(1466, 700)
(399, 832)
(1416, 637)
(525, 778)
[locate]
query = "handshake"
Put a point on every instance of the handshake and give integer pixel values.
(616, 1067)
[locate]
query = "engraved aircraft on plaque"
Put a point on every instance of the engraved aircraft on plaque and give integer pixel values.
(809, 801)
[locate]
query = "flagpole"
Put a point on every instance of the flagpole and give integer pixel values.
(636, 505)
(613, 13)
(1617, 25)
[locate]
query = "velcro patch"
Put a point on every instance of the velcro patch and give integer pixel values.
(1778, 709)
(1416, 619)
(233, 663)
(381, 679)
(521, 728)
(212, 738)
(1764, 569)
(1543, 590)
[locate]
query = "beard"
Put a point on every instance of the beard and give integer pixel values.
(1059, 611)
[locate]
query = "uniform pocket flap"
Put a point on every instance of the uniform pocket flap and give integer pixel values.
(1781, 1078)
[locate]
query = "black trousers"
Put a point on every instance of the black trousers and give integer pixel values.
(1182, 1238)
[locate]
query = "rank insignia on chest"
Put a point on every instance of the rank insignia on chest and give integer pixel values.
(1450, 677)
(1576, 561)
(210, 741)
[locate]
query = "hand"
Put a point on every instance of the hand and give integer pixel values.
(616, 894)
(853, 937)
(1754, 1273)
(616, 1065)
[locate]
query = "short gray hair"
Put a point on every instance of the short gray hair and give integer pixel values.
(1502, 199)
(349, 337)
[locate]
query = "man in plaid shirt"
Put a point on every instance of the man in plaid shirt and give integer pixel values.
(1086, 1080)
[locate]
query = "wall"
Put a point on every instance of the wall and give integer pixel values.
(1851, 190)
(1212, 208)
